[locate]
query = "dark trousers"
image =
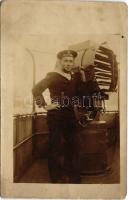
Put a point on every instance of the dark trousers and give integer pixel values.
(63, 159)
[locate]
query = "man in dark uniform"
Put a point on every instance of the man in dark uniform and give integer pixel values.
(62, 159)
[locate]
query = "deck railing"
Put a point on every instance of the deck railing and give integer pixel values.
(26, 127)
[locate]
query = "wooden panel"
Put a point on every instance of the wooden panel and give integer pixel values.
(23, 146)
(40, 124)
(28, 130)
(95, 136)
(112, 121)
(41, 142)
(15, 131)
(93, 164)
(18, 163)
(22, 158)
(92, 144)
(22, 128)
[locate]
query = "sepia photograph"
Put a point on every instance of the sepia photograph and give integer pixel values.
(63, 99)
(72, 133)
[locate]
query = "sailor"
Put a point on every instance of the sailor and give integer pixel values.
(62, 160)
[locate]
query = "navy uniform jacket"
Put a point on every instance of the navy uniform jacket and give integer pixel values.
(58, 86)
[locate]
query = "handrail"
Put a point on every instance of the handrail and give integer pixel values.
(44, 113)
(22, 142)
(29, 114)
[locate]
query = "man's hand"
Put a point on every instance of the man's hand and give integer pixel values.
(52, 107)
(39, 101)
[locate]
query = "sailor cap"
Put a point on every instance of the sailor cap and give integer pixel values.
(67, 53)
